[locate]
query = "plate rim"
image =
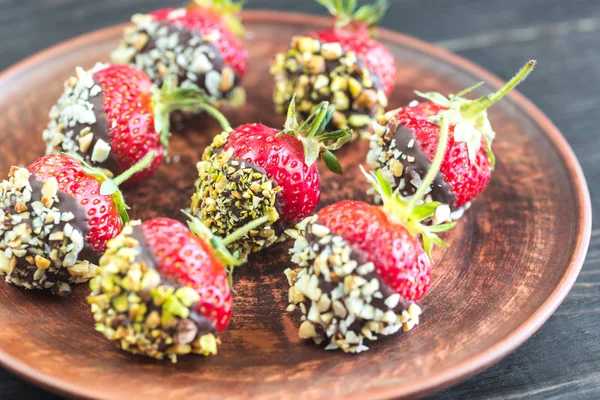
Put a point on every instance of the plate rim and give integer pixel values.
(467, 367)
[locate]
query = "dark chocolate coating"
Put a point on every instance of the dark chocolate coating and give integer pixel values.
(101, 130)
(68, 203)
(330, 67)
(440, 189)
(146, 255)
(185, 35)
(278, 226)
(360, 258)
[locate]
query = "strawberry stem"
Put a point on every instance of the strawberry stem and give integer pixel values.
(395, 206)
(433, 170)
(244, 230)
(138, 167)
(214, 241)
(317, 126)
(171, 98)
(216, 114)
(311, 133)
(219, 245)
(110, 187)
(346, 13)
(473, 108)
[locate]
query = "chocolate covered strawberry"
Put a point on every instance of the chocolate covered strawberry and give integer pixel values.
(112, 116)
(162, 290)
(362, 268)
(255, 170)
(197, 44)
(55, 219)
(343, 65)
(402, 149)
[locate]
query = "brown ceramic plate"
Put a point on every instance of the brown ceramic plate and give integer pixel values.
(514, 255)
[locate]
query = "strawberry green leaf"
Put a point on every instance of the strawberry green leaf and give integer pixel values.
(109, 188)
(371, 14)
(429, 240)
(424, 211)
(490, 153)
(349, 6)
(291, 121)
(438, 241)
(427, 245)
(434, 97)
(441, 227)
(332, 162)
(345, 11)
(341, 137)
(216, 243)
(315, 140)
(331, 6)
(312, 149)
(465, 132)
(219, 245)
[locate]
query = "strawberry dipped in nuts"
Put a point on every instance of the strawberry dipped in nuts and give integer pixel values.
(163, 290)
(112, 116)
(343, 65)
(361, 269)
(255, 170)
(55, 219)
(198, 44)
(404, 145)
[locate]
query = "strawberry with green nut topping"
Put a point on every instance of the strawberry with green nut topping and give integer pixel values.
(361, 269)
(343, 65)
(55, 219)
(162, 289)
(255, 170)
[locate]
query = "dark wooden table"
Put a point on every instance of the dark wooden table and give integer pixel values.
(562, 360)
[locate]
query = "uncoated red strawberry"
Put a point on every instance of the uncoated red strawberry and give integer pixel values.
(112, 116)
(197, 44)
(361, 268)
(343, 65)
(255, 170)
(55, 219)
(402, 149)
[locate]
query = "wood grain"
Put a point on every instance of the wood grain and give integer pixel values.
(513, 256)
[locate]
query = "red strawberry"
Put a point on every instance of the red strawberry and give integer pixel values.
(112, 116)
(399, 257)
(363, 267)
(188, 260)
(56, 217)
(198, 44)
(162, 290)
(256, 170)
(343, 64)
(403, 149)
